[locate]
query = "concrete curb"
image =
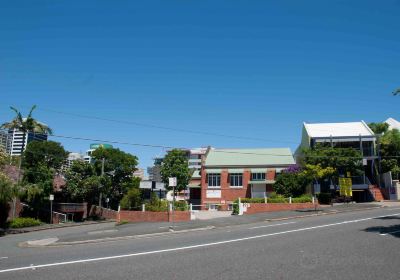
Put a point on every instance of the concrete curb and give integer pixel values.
(46, 243)
(332, 212)
(33, 229)
(38, 243)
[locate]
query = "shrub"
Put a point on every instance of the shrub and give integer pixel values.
(235, 207)
(132, 200)
(324, 198)
(290, 184)
(24, 222)
(160, 206)
(157, 205)
(181, 206)
(305, 198)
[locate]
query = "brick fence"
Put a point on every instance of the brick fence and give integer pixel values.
(253, 208)
(139, 216)
(105, 213)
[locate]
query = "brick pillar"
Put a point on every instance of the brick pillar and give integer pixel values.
(224, 184)
(270, 174)
(246, 180)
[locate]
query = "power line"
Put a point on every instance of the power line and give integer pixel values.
(169, 128)
(183, 148)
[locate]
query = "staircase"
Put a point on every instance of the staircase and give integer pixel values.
(376, 193)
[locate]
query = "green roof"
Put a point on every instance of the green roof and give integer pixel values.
(249, 157)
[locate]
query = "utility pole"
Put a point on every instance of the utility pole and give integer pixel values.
(101, 187)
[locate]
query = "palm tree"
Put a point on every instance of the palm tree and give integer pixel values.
(26, 125)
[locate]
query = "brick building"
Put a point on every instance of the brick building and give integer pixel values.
(227, 174)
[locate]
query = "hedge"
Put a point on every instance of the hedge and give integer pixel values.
(24, 222)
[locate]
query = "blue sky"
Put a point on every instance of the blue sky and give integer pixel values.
(253, 69)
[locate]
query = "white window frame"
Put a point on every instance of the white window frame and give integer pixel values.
(257, 179)
(235, 176)
(216, 180)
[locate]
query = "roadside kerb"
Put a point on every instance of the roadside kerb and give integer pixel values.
(36, 243)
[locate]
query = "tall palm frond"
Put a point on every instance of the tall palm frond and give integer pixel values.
(396, 92)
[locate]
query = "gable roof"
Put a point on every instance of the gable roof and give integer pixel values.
(393, 124)
(249, 157)
(344, 129)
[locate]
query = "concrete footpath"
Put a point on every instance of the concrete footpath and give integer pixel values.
(110, 232)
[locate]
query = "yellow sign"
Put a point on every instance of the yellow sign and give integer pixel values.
(345, 185)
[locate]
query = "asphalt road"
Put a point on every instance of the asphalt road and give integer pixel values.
(355, 245)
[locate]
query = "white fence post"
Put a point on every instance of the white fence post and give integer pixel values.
(313, 200)
(143, 207)
(240, 207)
(290, 200)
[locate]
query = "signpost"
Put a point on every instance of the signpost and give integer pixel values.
(172, 182)
(51, 198)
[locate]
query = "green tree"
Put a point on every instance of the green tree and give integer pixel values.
(48, 153)
(82, 183)
(379, 128)
(6, 195)
(291, 184)
(342, 160)
(317, 172)
(132, 200)
(175, 164)
(118, 172)
(390, 152)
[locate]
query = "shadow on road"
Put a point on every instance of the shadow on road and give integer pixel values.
(393, 230)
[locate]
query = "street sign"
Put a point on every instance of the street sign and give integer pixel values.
(172, 181)
(345, 185)
(51, 198)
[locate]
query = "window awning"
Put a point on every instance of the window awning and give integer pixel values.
(259, 170)
(213, 171)
(236, 170)
(194, 186)
(196, 174)
(263, 182)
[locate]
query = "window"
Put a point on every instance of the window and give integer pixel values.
(257, 176)
(214, 180)
(236, 179)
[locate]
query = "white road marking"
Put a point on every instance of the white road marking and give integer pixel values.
(387, 233)
(191, 247)
(2, 258)
(275, 225)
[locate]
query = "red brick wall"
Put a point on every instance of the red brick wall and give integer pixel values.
(138, 216)
(275, 207)
(103, 212)
(229, 194)
(271, 174)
